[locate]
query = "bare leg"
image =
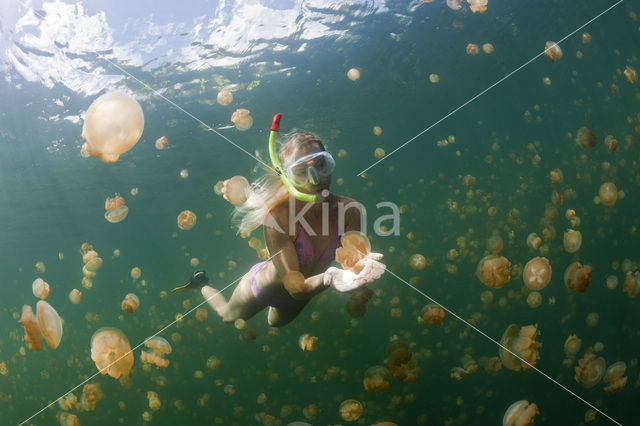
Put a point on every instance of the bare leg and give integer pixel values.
(241, 305)
(279, 317)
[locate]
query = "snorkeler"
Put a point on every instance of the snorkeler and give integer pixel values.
(302, 232)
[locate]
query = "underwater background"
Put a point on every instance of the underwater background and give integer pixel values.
(293, 57)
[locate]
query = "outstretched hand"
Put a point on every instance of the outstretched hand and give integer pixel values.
(345, 281)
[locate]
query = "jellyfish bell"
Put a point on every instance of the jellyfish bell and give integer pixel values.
(350, 410)
(577, 277)
(537, 273)
(236, 190)
(590, 370)
(417, 262)
(354, 247)
(376, 379)
(242, 119)
(186, 220)
(75, 296)
(353, 74)
(32, 334)
(224, 97)
(493, 271)
(40, 288)
(130, 303)
(572, 240)
(520, 413)
(116, 210)
(613, 377)
(472, 49)
(572, 345)
(162, 143)
(432, 314)
(159, 347)
(552, 51)
(49, 323)
(113, 125)
(608, 194)
(111, 352)
(495, 244)
(586, 138)
(521, 342)
(631, 74)
(293, 282)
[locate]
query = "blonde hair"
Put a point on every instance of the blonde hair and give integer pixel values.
(268, 191)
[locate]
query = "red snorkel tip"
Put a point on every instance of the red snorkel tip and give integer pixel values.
(275, 125)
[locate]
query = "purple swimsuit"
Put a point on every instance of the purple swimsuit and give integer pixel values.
(306, 257)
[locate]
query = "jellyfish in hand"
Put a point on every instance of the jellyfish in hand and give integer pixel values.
(354, 247)
(111, 352)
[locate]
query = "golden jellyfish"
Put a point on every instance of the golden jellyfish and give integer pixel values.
(113, 125)
(520, 413)
(350, 410)
(91, 395)
(590, 370)
(162, 143)
(400, 362)
(154, 400)
(40, 288)
(534, 299)
(376, 379)
(572, 345)
(572, 240)
(40, 268)
(242, 119)
(608, 194)
(522, 343)
(111, 352)
(135, 273)
(495, 244)
(379, 153)
(454, 4)
(556, 175)
(493, 271)
(586, 138)
(202, 315)
(534, 241)
(75, 296)
(613, 377)
(311, 411)
(293, 282)
(377, 130)
(194, 262)
(434, 78)
(631, 284)
(49, 323)
(488, 48)
(432, 314)
(116, 210)
(307, 342)
(225, 97)
(586, 38)
(417, 262)
(537, 273)
(552, 51)
(236, 190)
(478, 6)
(612, 282)
(611, 143)
(577, 277)
(354, 247)
(130, 303)
(32, 334)
(631, 74)
(472, 49)
(186, 220)
(469, 181)
(184, 173)
(69, 419)
(353, 74)
(159, 347)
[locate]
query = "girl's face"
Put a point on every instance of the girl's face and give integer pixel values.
(311, 168)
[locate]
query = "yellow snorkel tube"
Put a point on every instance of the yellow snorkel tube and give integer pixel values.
(275, 161)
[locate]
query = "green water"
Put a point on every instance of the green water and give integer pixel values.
(52, 200)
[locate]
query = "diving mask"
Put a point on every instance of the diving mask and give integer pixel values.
(310, 169)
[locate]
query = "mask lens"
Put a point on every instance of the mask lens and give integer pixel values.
(312, 175)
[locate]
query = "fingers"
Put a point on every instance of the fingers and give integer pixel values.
(375, 256)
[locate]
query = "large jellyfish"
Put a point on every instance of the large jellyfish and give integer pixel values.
(111, 352)
(113, 125)
(493, 271)
(432, 314)
(537, 273)
(521, 342)
(631, 284)
(354, 247)
(159, 347)
(586, 138)
(49, 323)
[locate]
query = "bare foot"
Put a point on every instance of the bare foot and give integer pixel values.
(215, 299)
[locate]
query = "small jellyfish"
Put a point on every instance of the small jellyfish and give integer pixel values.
(552, 51)
(379, 153)
(612, 282)
(353, 74)
(417, 262)
(242, 119)
(111, 352)
(400, 362)
(488, 48)
(225, 97)
(631, 74)
(377, 130)
(159, 347)
(472, 49)
(537, 273)
(32, 334)
(608, 194)
(432, 314)
(469, 181)
(556, 175)
(454, 4)
(154, 401)
(613, 377)
(135, 273)
(307, 342)
(520, 413)
(113, 125)
(493, 271)
(293, 282)
(40, 268)
(75, 296)
(69, 419)
(236, 190)
(586, 38)
(534, 299)
(350, 410)
(376, 379)
(572, 345)
(184, 173)
(586, 138)
(40, 288)
(495, 244)
(590, 370)
(186, 220)
(434, 78)
(91, 395)
(162, 143)
(116, 210)
(631, 285)
(130, 303)
(577, 277)
(478, 6)
(49, 323)
(311, 411)
(611, 143)
(354, 247)
(522, 343)
(534, 241)
(572, 240)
